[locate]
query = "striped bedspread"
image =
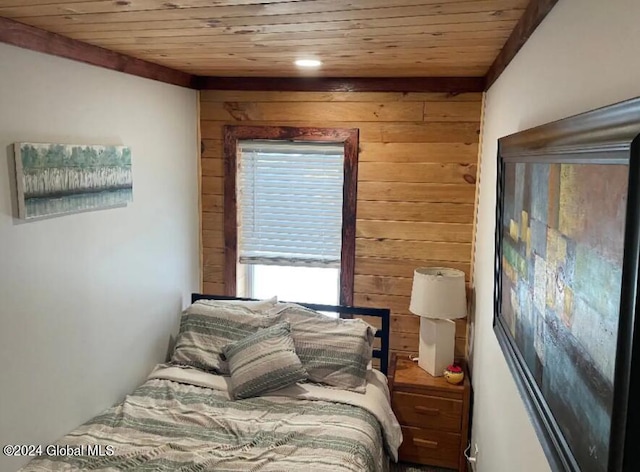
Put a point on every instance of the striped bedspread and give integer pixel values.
(166, 425)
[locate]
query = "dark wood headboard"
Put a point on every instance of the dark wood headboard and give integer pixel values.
(381, 353)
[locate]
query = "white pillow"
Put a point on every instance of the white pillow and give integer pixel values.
(252, 305)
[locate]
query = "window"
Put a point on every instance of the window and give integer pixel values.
(290, 196)
(290, 219)
(294, 284)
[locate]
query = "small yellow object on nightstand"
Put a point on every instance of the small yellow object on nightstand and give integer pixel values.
(454, 374)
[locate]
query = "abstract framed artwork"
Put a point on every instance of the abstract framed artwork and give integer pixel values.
(566, 281)
(56, 179)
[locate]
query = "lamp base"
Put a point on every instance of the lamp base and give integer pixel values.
(437, 341)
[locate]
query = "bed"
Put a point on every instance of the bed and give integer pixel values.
(185, 418)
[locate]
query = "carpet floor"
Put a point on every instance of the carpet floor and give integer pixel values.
(407, 467)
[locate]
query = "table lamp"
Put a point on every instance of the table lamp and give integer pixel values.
(437, 297)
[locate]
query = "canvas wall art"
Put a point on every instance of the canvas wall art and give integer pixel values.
(56, 179)
(563, 234)
(566, 283)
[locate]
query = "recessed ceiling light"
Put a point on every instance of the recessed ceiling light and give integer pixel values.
(308, 63)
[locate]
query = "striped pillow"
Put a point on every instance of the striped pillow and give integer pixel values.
(256, 305)
(334, 351)
(206, 328)
(264, 361)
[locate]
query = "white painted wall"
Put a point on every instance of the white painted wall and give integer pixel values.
(583, 56)
(88, 301)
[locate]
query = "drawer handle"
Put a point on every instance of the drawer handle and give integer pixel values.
(424, 443)
(423, 410)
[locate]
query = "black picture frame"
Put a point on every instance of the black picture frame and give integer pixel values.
(610, 135)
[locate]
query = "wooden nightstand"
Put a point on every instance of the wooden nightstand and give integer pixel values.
(434, 415)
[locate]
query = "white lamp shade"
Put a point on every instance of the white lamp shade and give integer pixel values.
(439, 293)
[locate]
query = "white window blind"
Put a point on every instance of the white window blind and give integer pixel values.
(290, 203)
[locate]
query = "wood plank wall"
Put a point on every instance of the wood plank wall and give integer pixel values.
(416, 185)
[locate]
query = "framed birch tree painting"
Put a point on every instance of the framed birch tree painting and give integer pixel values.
(57, 179)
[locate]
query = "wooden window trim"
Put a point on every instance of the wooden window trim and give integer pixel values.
(349, 138)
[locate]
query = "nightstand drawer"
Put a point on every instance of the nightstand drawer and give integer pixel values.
(425, 446)
(426, 411)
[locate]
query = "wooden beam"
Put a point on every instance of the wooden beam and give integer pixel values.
(36, 39)
(535, 12)
(452, 85)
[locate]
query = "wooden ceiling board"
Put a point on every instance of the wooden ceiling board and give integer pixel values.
(329, 44)
(329, 53)
(456, 38)
(204, 27)
(304, 12)
(435, 30)
(150, 10)
(151, 4)
(243, 25)
(353, 38)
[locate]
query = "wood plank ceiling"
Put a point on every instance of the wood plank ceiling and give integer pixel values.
(247, 38)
